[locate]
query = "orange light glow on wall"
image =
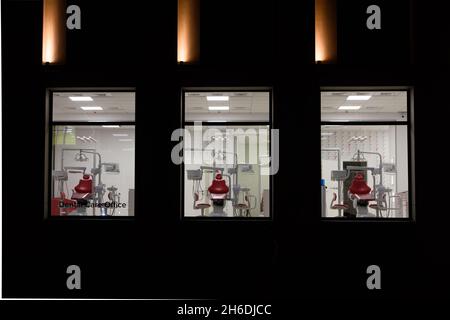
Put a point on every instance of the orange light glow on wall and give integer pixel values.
(53, 32)
(326, 34)
(188, 31)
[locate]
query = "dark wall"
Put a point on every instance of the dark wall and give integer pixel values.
(233, 31)
(158, 255)
(114, 35)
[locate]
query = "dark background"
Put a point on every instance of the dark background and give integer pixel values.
(243, 43)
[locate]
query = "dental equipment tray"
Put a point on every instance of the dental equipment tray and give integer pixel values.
(338, 175)
(75, 169)
(194, 174)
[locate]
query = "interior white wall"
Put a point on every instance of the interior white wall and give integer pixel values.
(111, 150)
(379, 140)
(264, 152)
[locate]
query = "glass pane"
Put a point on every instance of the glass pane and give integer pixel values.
(365, 171)
(344, 106)
(227, 106)
(93, 170)
(94, 106)
(226, 171)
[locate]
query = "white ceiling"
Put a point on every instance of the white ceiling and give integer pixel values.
(117, 106)
(244, 106)
(383, 105)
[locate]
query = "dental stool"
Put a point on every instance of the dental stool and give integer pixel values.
(242, 207)
(201, 204)
(242, 203)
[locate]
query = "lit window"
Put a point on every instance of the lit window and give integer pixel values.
(227, 154)
(92, 154)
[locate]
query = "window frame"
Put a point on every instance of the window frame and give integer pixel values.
(50, 124)
(409, 123)
(185, 123)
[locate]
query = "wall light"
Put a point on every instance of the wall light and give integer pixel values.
(111, 126)
(188, 31)
(326, 34)
(54, 32)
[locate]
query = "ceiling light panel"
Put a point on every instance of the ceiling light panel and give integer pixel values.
(359, 98)
(81, 99)
(349, 107)
(92, 108)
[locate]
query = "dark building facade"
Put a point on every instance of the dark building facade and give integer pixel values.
(242, 46)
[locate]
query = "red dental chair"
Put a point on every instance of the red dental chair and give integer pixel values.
(218, 188)
(61, 206)
(361, 194)
(83, 191)
(359, 188)
(218, 191)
